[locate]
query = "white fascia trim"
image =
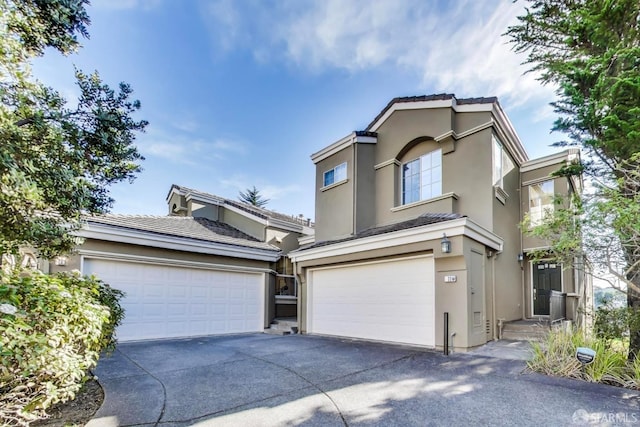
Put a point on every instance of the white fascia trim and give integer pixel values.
(305, 240)
(458, 227)
(174, 191)
(550, 160)
(283, 225)
(536, 248)
(335, 184)
(387, 163)
(473, 108)
(509, 136)
(244, 213)
(457, 136)
(204, 198)
(169, 261)
(538, 180)
(444, 196)
(365, 139)
(185, 244)
(418, 105)
(341, 144)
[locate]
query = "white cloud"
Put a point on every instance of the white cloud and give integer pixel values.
(268, 190)
(125, 4)
(449, 46)
(188, 149)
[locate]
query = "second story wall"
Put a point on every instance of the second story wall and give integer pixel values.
(241, 222)
(334, 201)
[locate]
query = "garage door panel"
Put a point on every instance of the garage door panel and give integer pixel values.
(388, 301)
(166, 302)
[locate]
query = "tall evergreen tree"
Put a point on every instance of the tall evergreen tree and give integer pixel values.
(253, 197)
(590, 51)
(56, 160)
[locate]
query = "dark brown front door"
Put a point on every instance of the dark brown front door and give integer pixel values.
(547, 276)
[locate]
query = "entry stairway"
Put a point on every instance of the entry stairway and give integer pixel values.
(283, 326)
(525, 330)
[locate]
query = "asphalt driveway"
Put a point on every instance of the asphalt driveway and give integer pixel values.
(266, 380)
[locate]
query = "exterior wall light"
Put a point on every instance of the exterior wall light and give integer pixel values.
(445, 244)
(520, 257)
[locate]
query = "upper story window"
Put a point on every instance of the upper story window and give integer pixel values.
(337, 174)
(502, 164)
(540, 201)
(422, 177)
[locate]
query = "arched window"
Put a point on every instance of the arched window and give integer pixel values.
(422, 177)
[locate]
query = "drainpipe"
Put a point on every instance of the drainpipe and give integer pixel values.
(522, 275)
(354, 206)
(493, 296)
(298, 292)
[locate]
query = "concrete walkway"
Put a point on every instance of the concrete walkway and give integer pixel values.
(266, 380)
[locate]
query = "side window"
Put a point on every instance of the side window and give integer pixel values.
(502, 163)
(422, 177)
(540, 201)
(337, 174)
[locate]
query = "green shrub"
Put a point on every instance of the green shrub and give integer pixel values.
(557, 356)
(52, 330)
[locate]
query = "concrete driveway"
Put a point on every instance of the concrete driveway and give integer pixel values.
(266, 380)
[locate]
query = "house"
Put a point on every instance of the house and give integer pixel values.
(417, 224)
(211, 266)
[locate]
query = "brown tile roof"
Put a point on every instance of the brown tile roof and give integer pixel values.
(424, 219)
(254, 210)
(434, 97)
(186, 227)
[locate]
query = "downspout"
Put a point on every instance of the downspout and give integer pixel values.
(298, 293)
(355, 190)
(493, 297)
(522, 275)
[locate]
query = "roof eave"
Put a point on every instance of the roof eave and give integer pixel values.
(146, 238)
(462, 226)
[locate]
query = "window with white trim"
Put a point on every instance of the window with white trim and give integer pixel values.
(502, 163)
(422, 177)
(337, 174)
(540, 201)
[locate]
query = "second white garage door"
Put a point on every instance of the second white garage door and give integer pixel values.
(169, 302)
(387, 301)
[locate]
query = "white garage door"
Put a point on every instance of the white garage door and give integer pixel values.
(387, 301)
(168, 302)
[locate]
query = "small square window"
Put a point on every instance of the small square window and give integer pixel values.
(337, 174)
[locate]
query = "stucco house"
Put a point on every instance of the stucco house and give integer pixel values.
(211, 266)
(418, 215)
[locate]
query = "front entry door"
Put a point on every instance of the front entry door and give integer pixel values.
(547, 276)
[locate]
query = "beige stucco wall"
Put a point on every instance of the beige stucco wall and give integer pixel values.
(506, 219)
(404, 126)
(244, 224)
(179, 202)
(334, 205)
(203, 210)
(466, 171)
(364, 186)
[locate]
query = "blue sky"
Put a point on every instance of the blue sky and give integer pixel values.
(240, 92)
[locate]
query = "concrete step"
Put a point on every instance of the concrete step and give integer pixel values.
(276, 332)
(524, 336)
(525, 330)
(282, 327)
